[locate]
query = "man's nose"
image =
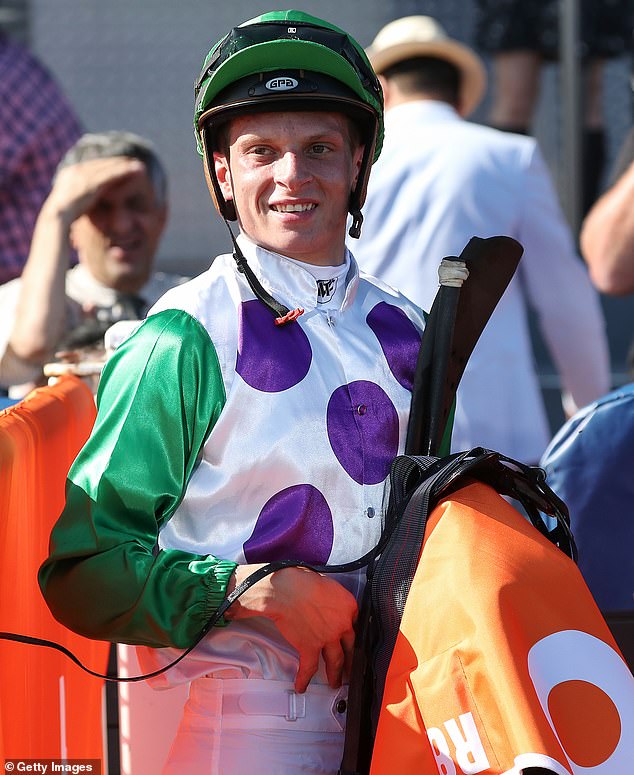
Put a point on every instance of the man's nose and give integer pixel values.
(121, 220)
(291, 170)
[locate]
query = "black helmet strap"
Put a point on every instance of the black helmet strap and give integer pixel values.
(281, 313)
(227, 210)
(357, 220)
(357, 197)
(224, 207)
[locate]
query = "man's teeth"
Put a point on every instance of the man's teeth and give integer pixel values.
(294, 208)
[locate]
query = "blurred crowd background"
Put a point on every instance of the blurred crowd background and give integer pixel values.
(129, 65)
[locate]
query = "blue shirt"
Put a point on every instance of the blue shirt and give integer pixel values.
(590, 465)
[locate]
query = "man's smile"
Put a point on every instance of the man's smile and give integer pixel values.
(293, 208)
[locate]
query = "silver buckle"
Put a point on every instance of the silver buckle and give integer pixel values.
(296, 705)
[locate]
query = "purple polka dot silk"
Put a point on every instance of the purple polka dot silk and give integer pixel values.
(294, 524)
(270, 358)
(362, 425)
(399, 340)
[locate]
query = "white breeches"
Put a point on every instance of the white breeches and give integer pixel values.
(251, 726)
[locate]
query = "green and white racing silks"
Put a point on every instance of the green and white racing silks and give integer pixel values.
(105, 577)
(222, 439)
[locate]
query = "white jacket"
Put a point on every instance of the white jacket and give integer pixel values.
(441, 180)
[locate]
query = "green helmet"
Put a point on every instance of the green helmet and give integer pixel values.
(311, 65)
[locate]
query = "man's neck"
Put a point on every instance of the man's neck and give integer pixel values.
(318, 261)
(396, 98)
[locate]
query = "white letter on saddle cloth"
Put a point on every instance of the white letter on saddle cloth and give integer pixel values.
(470, 754)
(440, 749)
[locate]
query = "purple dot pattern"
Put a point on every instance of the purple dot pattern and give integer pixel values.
(399, 340)
(294, 524)
(270, 358)
(362, 424)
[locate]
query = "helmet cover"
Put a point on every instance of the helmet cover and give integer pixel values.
(283, 61)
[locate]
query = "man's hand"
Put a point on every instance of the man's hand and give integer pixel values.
(77, 187)
(313, 612)
(40, 315)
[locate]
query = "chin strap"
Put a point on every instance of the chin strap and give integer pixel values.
(357, 220)
(282, 314)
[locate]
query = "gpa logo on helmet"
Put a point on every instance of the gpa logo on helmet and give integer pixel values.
(282, 83)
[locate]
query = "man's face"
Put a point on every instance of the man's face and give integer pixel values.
(290, 176)
(118, 237)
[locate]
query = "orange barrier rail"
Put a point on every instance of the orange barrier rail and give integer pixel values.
(49, 708)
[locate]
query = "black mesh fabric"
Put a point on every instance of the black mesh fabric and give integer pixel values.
(410, 487)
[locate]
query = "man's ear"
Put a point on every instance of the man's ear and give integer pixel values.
(357, 160)
(223, 174)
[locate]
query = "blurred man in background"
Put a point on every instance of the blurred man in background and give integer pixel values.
(109, 202)
(441, 181)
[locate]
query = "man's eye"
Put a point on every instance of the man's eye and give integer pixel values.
(140, 205)
(100, 207)
(319, 149)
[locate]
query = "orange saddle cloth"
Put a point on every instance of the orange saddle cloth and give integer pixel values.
(503, 660)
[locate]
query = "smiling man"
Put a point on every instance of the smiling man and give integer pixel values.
(108, 201)
(294, 172)
(253, 417)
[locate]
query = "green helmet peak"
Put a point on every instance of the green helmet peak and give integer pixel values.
(287, 60)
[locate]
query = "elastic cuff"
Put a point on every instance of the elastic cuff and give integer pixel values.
(218, 579)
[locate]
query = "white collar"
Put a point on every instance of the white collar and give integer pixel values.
(425, 110)
(287, 280)
(83, 287)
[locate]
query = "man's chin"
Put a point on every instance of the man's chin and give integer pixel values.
(129, 283)
(291, 243)
(119, 255)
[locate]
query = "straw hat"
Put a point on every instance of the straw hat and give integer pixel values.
(422, 36)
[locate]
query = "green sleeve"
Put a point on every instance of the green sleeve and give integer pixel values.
(159, 397)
